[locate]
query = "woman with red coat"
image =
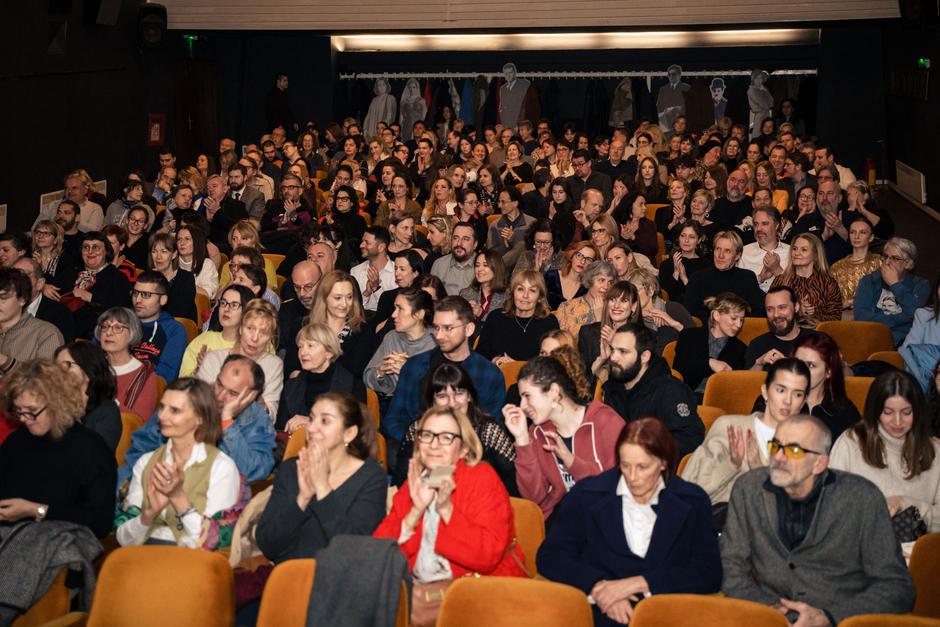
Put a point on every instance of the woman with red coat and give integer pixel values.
(447, 532)
(571, 438)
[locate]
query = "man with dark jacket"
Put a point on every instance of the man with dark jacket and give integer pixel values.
(585, 178)
(41, 307)
(222, 212)
(724, 276)
(641, 384)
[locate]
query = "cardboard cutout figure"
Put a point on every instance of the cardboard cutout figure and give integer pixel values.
(621, 110)
(413, 108)
(670, 102)
(718, 98)
(512, 95)
(383, 107)
(760, 100)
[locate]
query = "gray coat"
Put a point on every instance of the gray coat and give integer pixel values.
(848, 564)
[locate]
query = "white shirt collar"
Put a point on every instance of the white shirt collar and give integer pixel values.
(624, 491)
(33, 307)
(197, 455)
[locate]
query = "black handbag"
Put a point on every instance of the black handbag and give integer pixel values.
(908, 525)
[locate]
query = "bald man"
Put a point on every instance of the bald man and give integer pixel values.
(304, 278)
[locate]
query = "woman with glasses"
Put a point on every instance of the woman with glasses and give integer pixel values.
(804, 215)
(891, 447)
(596, 279)
(118, 331)
(344, 213)
(400, 203)
(99, 285)
(164, 258)
(468, 210)
(736, 444)
(571, 437)
(58, 267)
(565, 282)
(187, 493)
(193, 257)
(449, 385)
(849, 270)
(621, 306)
(53, 467)
(604, 233)
(458, 520)
(513, 333)
(222, 330)
(255, 339)
(137, 223)
(488, 290)
(541, 248)
(89, 364)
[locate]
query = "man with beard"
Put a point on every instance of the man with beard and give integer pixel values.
(305, 277)
(732, 210)
(68, 217)
(456, 269)
(768, 256)
(783, 309)
(222, 212)
(816, 544)
(290, 212)
(240, 190)
(641, 384)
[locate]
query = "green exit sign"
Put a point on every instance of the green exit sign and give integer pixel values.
(923, 63)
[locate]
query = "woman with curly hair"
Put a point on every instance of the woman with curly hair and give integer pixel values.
(572, 436)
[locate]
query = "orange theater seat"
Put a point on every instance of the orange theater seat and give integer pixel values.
(513, 601)
(710, 610)
(530, 530)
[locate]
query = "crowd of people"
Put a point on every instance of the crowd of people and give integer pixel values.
(334, 266)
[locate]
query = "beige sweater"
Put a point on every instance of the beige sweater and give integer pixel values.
(922, 491)
(710, 466)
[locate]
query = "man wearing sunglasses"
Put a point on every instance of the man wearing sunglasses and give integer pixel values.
(816, 544)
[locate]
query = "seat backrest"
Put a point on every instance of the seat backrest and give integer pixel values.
(164, 585)
(856, 339)
(53, 604)
(752, 328)
(888, 620)
(130, 422)
(161, 387)
(530, 530)
(287, 595)
(503, 601)
(372, 402)
(669, 352)
(274, 258)
(190, 327)
(490, 219)
(856, 389)
(682, 462)
(709, 415)
(675, 609)
(203, 307)
(298, 440)
(734, 391)
(651, 209)
(925, 571)
(891, 357)
(510, 371)
(281, 280)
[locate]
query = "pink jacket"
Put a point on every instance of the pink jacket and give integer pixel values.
(537, 475)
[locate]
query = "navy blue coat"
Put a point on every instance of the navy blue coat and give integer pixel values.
(586, 542)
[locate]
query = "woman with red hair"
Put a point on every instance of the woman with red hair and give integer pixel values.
(601, 539)
(826, 397)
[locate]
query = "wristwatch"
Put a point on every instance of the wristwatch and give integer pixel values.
(41, 511)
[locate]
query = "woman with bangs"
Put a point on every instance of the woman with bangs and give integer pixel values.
(621, 306)
(565, 283)
(245, 234)
(703, 351)
(514, 332)
(488, 290)
(58, 267)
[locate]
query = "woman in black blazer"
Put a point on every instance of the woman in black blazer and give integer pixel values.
(703, 351)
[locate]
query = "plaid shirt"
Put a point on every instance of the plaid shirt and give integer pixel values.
(406, 404)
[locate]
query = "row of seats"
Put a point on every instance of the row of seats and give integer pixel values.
(187, 587)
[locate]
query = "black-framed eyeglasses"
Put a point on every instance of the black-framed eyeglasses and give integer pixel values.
(340, 198)
(142, 294)
(792, 450)
(29, 414)
(444, 438)
(229, 304)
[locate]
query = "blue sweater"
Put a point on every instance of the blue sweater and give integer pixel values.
(910, 293)
(249, 441)
(163, 343)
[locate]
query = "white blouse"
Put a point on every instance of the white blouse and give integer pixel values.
(638, 518)
(208, 277)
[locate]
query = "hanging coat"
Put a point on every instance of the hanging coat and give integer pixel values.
(549, 93)
(412, 107)
(621, 111)
(699, 107)
(643, 103)
(491, 109)
(468, 105)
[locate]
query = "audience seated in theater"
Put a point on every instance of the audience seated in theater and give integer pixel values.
(624, 259)
(464, 524)
(194, 257)
(849, 270)
(222, 328)
(592, 204)
(921, 346)
(640, 384)
(41, 306)
(688, 257)
(782, 309)
(247, 431)
(634, 530)
(58, 266)
(892, 447)
(181, 295)
(505, 335)
(118, 331)
(137, 223)
(186, 492)
(52, 466)
(808, 275)
(400, 203)
(714, 347)
(376, 274)
(403, 237)
(621, 305)
(564, 282)
(455, 270)
(439, 236)
(132, 194)
(676, 211)
(490, 286)
(338, 304)
(256, 339)
(117, 238)
(67, 217)
(561, 212)
(572, 436)
(468, 210)
(859, 200)
(734, 208)
(89, 364)
(334, 486)
(319, 350)
(724, 276)
(164, 339)
(597, 279)
(98, 286)
(451, 329)
(22, 336)
(244, 234)
(448, 385)
(893, 293)
(247, 267)
(736, 444)
(408, 334)
(933, 401)
(800, 527)
(542, 248)
(507, 234)
(305, 278)
(13, 247)
(78, 189)
(767, 257)
(664, 318)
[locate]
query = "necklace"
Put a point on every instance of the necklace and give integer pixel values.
(526, 327)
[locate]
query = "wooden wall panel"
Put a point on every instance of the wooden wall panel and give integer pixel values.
(372, 15)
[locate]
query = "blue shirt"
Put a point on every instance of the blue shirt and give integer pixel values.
(909, 294)
(406, 404)
(249, 441)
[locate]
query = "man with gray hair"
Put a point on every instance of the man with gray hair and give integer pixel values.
(892, 293)
(41, 307)
(814, 543)
(512, 97)
(670, 101)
